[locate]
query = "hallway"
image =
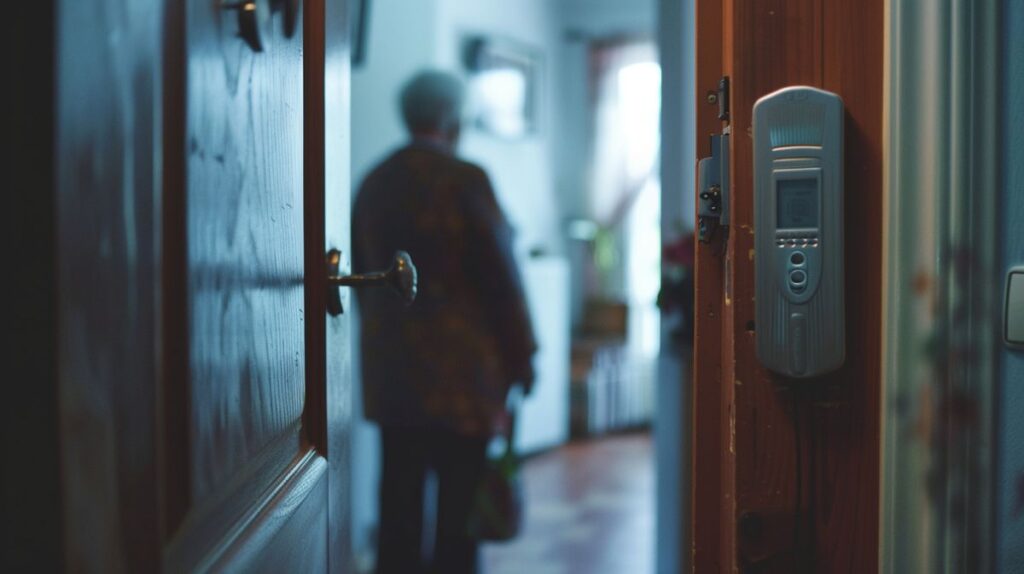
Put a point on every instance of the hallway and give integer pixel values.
(589, 509)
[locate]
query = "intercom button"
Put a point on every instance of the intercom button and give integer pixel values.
(797, 258)
(798, 278)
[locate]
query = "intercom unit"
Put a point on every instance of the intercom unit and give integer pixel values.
(798, 213)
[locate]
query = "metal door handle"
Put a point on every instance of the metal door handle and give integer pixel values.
(253, 15)
(401, 278)
(248, 13)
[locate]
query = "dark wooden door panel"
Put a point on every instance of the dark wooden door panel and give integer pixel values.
(286, 530)
(711, 490)
(245, 242)
(790, 471)
(258, 478)
(203, 419)
(215, 523)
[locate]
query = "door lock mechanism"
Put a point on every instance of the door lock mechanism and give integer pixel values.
(713, 189)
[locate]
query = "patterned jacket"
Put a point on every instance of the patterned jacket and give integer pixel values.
(448, 359)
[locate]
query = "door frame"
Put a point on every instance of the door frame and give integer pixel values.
(942, 285)
(710, 494)
(329, 411)
(757, 436)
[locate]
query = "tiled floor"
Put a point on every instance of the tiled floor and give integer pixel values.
(590, 510)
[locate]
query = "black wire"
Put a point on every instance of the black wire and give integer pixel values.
(812, 515)
(799, 473)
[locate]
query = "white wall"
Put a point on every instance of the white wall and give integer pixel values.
(544, 418)
(408, 36)
(609, 18)
(400, 41)
(520, 169)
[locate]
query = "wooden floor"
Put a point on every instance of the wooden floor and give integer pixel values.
(590, 510)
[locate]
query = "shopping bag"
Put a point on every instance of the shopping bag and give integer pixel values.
(498, 508)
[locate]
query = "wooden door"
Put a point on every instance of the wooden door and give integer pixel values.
(786, 473)
(188, 397)
(255, 397)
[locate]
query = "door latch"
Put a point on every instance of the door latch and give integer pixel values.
(713, 189)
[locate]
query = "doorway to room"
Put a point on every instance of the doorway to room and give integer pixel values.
(590, 502)
(563, 112)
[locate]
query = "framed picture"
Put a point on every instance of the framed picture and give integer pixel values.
(503, 86)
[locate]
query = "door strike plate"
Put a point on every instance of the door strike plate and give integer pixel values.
(713, 189)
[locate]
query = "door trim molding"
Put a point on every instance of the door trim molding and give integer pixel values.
(272, 511)
(939, 248)
(210, 527)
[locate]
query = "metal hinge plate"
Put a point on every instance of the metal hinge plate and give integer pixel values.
(723, 99)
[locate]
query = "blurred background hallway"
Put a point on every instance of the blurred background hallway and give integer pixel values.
(564, 112)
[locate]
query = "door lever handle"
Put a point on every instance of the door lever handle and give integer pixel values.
(401, 278)
(254, 17)
(249, 14)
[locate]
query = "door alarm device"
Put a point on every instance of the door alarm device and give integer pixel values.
(798, 214)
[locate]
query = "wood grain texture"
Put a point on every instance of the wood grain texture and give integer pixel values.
(846, 421)
(286, 530)
(709, 450)
(257, 489)
(107, 198)
(210, 466)
(830, 425)
(245, 243)
(774, 43)
(211, 526)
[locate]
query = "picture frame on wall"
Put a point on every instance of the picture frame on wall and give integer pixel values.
(503, 86)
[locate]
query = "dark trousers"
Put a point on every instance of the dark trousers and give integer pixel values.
(407, 455)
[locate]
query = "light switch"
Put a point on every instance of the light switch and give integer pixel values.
(1014, 311)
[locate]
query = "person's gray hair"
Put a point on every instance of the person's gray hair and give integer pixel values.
(432, 102)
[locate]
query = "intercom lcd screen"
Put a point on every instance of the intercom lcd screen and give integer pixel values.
(798, 203)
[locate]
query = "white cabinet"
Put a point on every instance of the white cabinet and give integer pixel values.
(544, 418)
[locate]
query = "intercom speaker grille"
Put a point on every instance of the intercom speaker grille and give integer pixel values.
(796, 126)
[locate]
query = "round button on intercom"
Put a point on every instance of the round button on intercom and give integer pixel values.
(797, 258)
(798, 278)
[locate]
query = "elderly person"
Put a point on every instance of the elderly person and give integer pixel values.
(436, 374)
